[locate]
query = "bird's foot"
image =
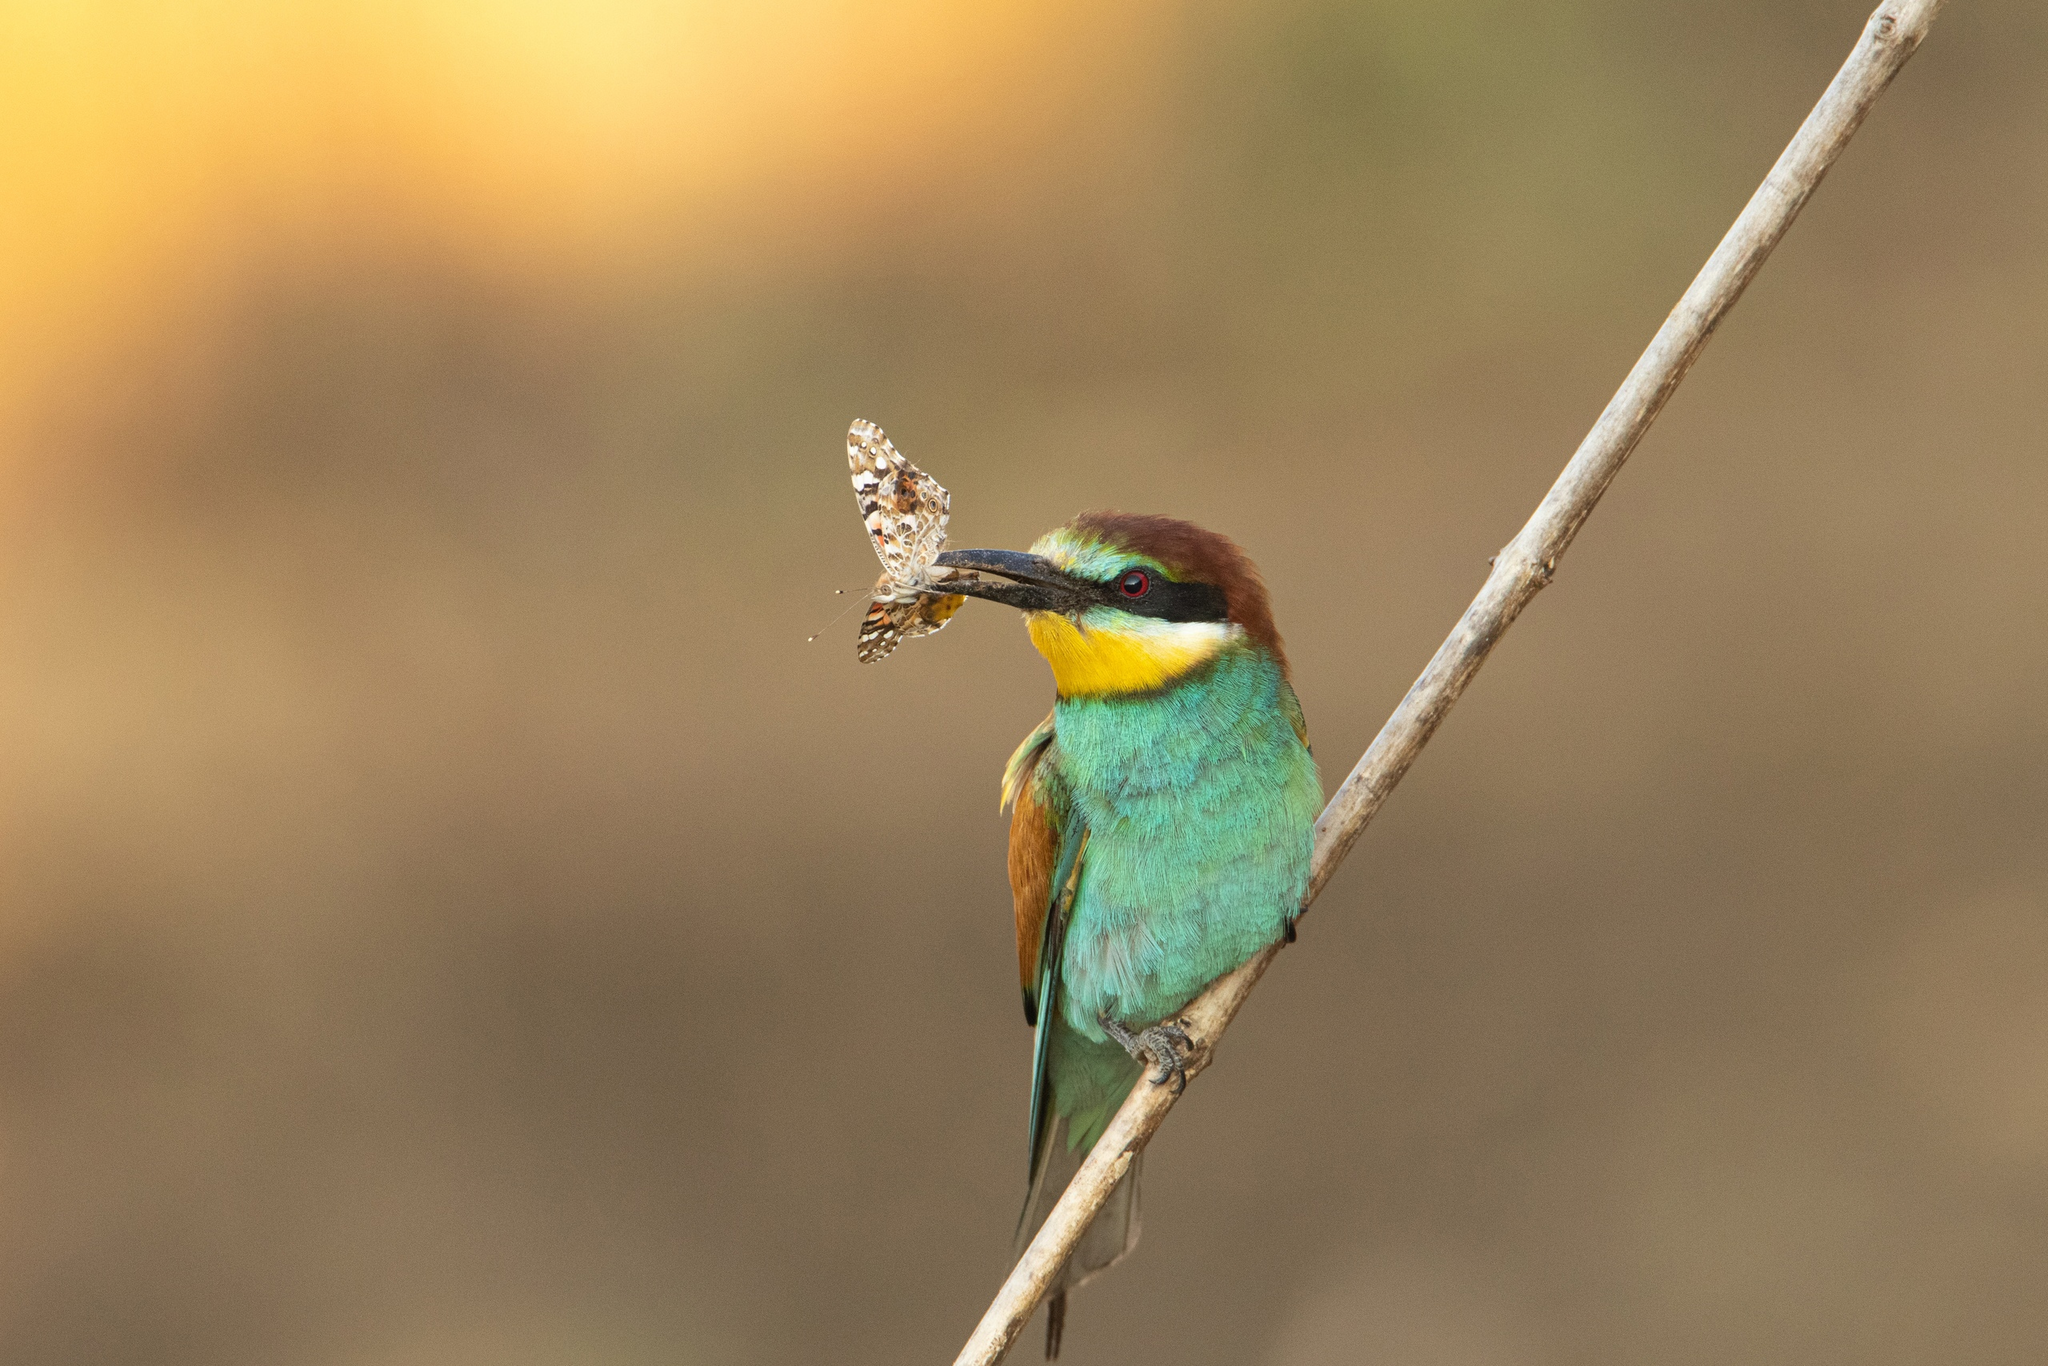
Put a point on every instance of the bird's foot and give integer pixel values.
(1167, 1044)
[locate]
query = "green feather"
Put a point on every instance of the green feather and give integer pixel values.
(1200, 800)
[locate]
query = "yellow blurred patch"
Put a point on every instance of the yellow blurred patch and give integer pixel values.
(146, 143)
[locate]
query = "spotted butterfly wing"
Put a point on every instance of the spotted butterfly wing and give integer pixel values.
(905, 511)
(890, 620)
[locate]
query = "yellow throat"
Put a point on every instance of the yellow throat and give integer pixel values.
(1136, 654)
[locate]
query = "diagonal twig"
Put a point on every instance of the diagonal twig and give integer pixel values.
(1520, 571)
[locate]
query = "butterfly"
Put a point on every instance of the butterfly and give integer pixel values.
(905, 511)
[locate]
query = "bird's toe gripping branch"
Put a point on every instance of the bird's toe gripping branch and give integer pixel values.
(1167, 1044)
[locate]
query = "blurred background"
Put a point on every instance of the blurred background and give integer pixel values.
(450, 917)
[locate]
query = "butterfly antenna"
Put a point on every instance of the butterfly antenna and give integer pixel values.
(841, 592)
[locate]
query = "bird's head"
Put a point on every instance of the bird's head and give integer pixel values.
(1121, 603)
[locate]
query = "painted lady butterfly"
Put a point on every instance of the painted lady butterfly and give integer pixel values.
(905, 511)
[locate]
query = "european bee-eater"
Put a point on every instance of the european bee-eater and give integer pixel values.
(1162, 822)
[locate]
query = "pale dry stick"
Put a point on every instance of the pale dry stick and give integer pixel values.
(1520, 571)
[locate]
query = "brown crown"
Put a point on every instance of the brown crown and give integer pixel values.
(1193, 554)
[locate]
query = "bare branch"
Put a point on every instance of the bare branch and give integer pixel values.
(1520, 571)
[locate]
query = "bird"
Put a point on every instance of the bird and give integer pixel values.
(1162, 821)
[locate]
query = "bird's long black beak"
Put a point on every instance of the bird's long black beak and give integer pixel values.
(1037, 586)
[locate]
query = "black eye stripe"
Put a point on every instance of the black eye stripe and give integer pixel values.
(1169, 601)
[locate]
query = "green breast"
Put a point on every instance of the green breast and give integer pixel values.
(1200, 803)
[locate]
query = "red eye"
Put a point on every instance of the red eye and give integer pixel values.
(1134, 584)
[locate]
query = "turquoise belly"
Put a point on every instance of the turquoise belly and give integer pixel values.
(1200, 803)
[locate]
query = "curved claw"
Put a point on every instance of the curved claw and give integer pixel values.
(1166, 1044)
(1169, 1046)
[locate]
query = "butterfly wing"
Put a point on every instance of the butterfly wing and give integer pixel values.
(891, 620)
(904, 509)
(881, 630)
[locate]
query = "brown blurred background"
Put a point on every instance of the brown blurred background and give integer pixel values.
(449, 917)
